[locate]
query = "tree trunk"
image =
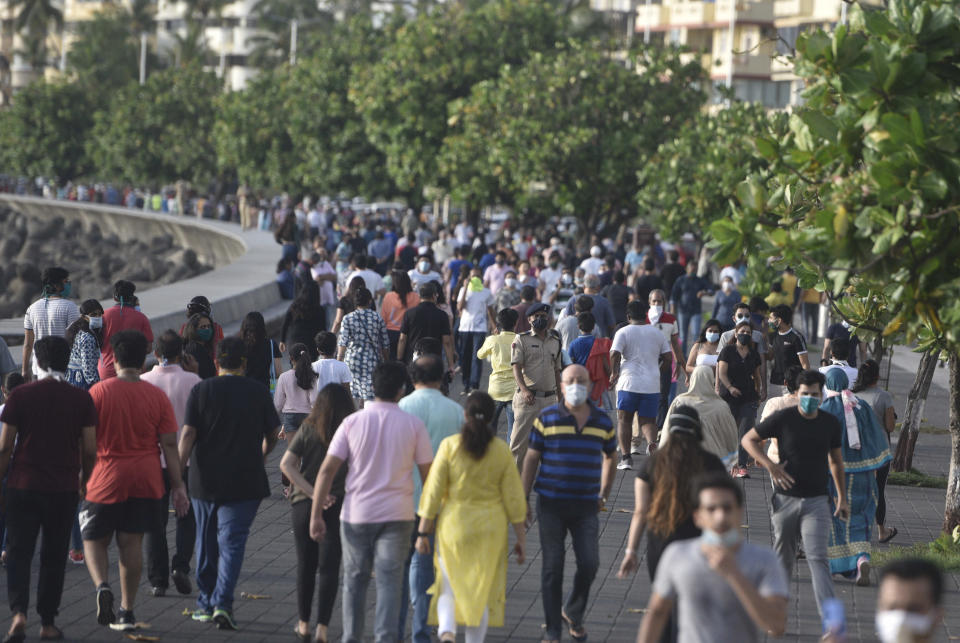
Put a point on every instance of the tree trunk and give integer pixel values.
(916, 401)
(951, 510)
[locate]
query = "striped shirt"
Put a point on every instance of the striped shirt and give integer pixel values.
(50, 317)
(571, 460)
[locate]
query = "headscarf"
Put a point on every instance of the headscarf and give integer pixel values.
(720, 436)
(864, 440)
(475, 284)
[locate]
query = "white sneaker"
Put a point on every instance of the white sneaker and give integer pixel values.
(625, 464)
(635, 448)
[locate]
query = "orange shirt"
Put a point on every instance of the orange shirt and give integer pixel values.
(392, 309)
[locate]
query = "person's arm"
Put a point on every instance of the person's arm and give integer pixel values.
(290, 466)
(825, 354)
(753, 444)
(768, 612)
(188, 436)
(270, 441)
(521, 384)
(321, 489)
(615, 357)
(401, 347)
(678, 360)
(605, 362)
(335, 329)
(839, 480)
(658, 611)
(25, 369)
(638, 522)
(723, 375)
(8, 437)
(692, 358)
(804, 358)
(889, 420)
(451, 354)
(607, 475)
(178, 490)
(760, 385)
(88, 454)
(531, 462)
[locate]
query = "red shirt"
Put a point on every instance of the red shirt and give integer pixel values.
(132, 416)
(114, 320)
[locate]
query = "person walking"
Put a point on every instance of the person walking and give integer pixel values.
(125, 491)
(718, 426)
(85, 337)
(443, 417)
(867, 388)
(381, 444)
(662, 497)
(726, 589)
(55, 452)
(395, 305)
(363, 345)
(198, 342)
(810, 451)
(300, 464)
(304, 319)
(294, 397)
(571, 457)
(328, 368)
(475, 308)
(170, 377)
(639, 356)
(261, 354)
(50, 315)
(472, 493)
(741, 386)
(229, 428)
(200, 305)
(788, 346)
(496, 349)
(706, 351)
(536, 362)
(426, 319)
(123, 315)
(686, 302)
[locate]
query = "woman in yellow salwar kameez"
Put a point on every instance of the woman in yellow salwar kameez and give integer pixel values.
(472, 492)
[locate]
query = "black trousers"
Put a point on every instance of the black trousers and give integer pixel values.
(29, 512)
(155, 542)
(313, 557)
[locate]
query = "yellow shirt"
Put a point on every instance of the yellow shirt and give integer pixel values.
(496, 348)
(789, 285)
(775, 299)
(810, 296)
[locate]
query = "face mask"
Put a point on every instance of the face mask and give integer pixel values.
(137, 308)
(740, 318)
(205, 334)
(743, 339)
(654, 313)
(894, 626)
(67, 289)
(575, 394)
(424, 266)
(713, 338)
(727, 286)
(476, 284)
(729, 538)
(774, 325)
(567, 279)
(510, 282)
(809, 404)
(499, 262)
(845, 324)
(554, 264)
(539, 323)
(96, 322)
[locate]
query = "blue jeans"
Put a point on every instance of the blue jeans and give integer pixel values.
(222, 530)
(380, 547)
(689, 329)
(471, 366)
(508, 407)
(557, 517)
(418, 577)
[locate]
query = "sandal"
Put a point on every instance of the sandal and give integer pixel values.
(578, 634)
(890, 536)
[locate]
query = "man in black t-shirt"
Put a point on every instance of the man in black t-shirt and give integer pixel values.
(788, 346)
(809, 444)
(426, 320)
(230, 426)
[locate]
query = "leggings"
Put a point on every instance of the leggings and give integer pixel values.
(312, 557)
(446, 611)
(882, 474)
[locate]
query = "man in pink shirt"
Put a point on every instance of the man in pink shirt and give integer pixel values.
(177, 383)
(496, 273)
(380, 445)
(123, 316)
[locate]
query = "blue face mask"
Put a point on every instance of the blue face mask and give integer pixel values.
(809, 404)
(729, 538)
(67, 289)
(713, 338)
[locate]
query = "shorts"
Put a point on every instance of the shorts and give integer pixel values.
(132, 516)
(643, 404)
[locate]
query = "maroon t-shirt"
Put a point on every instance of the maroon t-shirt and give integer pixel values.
(49, 415)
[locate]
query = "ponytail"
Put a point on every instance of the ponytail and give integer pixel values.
(477, 433)
(302, 367)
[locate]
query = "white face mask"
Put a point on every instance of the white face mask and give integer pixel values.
(510, 282)
(845, 324)
(575, 394)
(901, 626)
(740, 318)
(96, 322)
(727, 286)
(424, 266)
(654, 313)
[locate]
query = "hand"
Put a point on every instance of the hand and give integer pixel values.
(318, 528)
(329, 502)
(423, 545)
(780, 476)
(283, 347)
(189, 363)
(528, 397)
(763, 396)
(282, 435)
(701, 293)
(601, 503)
(181, 503)
(520, 549)
(613, 379)
(843, 509)
(528, 521)
(720, 559)
(734, 391)
(628, 565)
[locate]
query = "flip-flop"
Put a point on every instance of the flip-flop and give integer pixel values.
(893, 534)
(570, 629)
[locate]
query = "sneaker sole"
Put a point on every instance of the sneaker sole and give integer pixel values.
(123, 627)
(202, 618)
(105, 615)
(224, 622)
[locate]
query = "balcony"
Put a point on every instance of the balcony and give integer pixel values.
(743, 66)
(692, 13)
(652, 16)
(615, 6)
(792, 9)
(756, 12)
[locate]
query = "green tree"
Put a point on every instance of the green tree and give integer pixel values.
(271, 46)
(43, 132)
(158, 132)
(33, 22)
(865, 187)
(567, 132)
(105, 55)
(433, 60)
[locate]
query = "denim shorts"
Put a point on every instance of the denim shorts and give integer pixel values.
(643, 404)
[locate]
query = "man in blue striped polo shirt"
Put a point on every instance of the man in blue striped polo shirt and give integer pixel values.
(571, 451)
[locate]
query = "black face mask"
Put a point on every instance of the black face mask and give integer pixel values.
(539, 323)
(743, 339)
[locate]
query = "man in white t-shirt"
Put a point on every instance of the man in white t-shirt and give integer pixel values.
(477, 316)
(328, 368)
(640, 353)
(549, 277)
(594, 264)
(424, 271)
(49, 315)
(839, 349)
(372, 280)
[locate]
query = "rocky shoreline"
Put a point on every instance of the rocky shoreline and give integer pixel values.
(28, 244)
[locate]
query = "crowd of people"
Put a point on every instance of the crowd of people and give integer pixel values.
(600, 350)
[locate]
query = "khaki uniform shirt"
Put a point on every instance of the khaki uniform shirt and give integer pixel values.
(539, 359)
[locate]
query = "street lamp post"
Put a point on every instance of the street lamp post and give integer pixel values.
(293, 41)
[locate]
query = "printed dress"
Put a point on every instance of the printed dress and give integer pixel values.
(364, 334)
(84, 356)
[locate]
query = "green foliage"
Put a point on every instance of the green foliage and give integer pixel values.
(106, 53)
(944, 552)
(689, 183)
(568, 131)
(866, 183)
(433, 60)
(271, 46)
(158, 132)
(914, 478)
(43, 132)
(295, 129)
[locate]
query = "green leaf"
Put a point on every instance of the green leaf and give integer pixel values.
(899, 127)
(820, 124)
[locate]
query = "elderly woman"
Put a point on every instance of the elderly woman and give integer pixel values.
(719, 428)
(864, 451)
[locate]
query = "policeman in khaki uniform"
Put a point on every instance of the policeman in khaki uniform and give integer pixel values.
(536, 361)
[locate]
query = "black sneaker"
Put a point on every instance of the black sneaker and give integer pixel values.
(158, 591)
(181, 581)
(626, 463)
(126, 621)
(105, 615)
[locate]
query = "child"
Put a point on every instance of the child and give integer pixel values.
(593, 353)
(496, 349)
